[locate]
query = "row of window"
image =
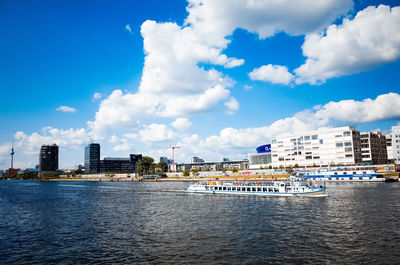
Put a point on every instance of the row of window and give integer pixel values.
(254, 189)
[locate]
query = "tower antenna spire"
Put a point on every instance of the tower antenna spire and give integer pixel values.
(12, 154)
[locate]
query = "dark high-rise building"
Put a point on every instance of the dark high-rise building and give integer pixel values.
(92, 158)
(48, 159)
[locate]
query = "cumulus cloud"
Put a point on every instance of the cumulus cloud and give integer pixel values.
(232, 105)
(274, 74)
(263, 17)
(182, 124)
(69, 139)
(156, 133)
(174, 83)
(370, 39)
(66, 109)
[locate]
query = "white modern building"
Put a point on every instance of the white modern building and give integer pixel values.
(389, 148)
(323, 147)
(396, 143)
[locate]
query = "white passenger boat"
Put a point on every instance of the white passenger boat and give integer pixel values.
(343, 175)
(261, 188)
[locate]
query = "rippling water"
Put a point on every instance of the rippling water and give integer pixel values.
(152, 223)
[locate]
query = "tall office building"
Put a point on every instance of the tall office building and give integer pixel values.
(48, 159)
(92, 158)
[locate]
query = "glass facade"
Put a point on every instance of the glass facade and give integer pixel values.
(48, 158)
(92, 158)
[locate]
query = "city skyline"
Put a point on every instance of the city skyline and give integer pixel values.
(216, 78)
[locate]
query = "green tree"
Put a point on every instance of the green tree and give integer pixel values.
(195, 171)
(235, 170)
(270, 167)
(186, 173)
(144, 167)
(163, 166)
(296, 165)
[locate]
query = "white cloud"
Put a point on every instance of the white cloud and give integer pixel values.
(68, 139)
(247, 87)
(263, 17)
(156, 133)
(66, 109)
(372, 38)
(97, 96)
(123, 146)
(128, 28)
(182, 124)
(386, 106)
(175, 84)
(274, 74)
(232, 105)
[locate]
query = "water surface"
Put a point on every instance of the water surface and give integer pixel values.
(152, 223)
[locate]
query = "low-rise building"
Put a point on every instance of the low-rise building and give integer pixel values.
(212, 166)
(322, 147)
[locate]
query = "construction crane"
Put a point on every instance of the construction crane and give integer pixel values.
(173, 153)
(173, 156)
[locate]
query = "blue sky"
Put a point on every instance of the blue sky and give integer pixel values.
(217, 78)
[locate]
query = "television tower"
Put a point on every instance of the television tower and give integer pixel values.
(12, 156)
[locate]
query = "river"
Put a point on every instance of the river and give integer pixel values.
(158, 223)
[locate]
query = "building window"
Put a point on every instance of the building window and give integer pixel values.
(347, 144)
(339, 144)
(306, 138)
(314, 137)
(347, 133)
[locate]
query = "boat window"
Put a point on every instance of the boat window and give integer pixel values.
(335, 173)
(265, 189)
(364, 172)
(234, 188)
(282, 185)
(243, 189)
(276, 190)
(253, 189)
(370, 177)
(354, 172)
(270, 190)
(229, 188)
(360, 178)
(248, 189)
(350, 178)
(344, 173)
(330, 178)
(342, 178)
(224, 188)
(258, 189)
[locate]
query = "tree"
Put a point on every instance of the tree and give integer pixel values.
(270, 167)
(186, 173)
(195, 171)
(163, 166)
(296, 165)
(143, 167)
(235, 170)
